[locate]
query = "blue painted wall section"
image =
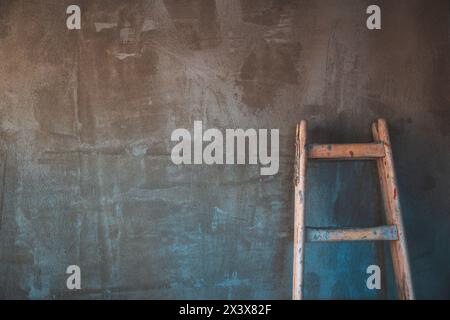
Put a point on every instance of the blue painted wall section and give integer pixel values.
(85, 124)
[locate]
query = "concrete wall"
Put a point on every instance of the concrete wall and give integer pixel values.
(85, 124)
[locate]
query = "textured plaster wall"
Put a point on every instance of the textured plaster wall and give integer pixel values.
(85, 124)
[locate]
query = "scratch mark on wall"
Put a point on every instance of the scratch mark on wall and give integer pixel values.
(123, 56)
(99, 26)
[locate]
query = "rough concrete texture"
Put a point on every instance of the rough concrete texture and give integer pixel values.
(85, 124)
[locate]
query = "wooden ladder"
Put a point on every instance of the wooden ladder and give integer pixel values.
(379, 150)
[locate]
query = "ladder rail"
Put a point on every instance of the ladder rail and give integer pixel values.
(388, 181)
(299, 216)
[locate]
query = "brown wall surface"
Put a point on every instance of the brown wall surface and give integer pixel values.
(86, 118)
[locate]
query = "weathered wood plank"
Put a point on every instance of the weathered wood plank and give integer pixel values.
(352, 151)
(391, 200)
(299, 214)
(386, 233)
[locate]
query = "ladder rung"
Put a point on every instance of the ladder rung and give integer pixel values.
(358, 234)
(352, 151)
